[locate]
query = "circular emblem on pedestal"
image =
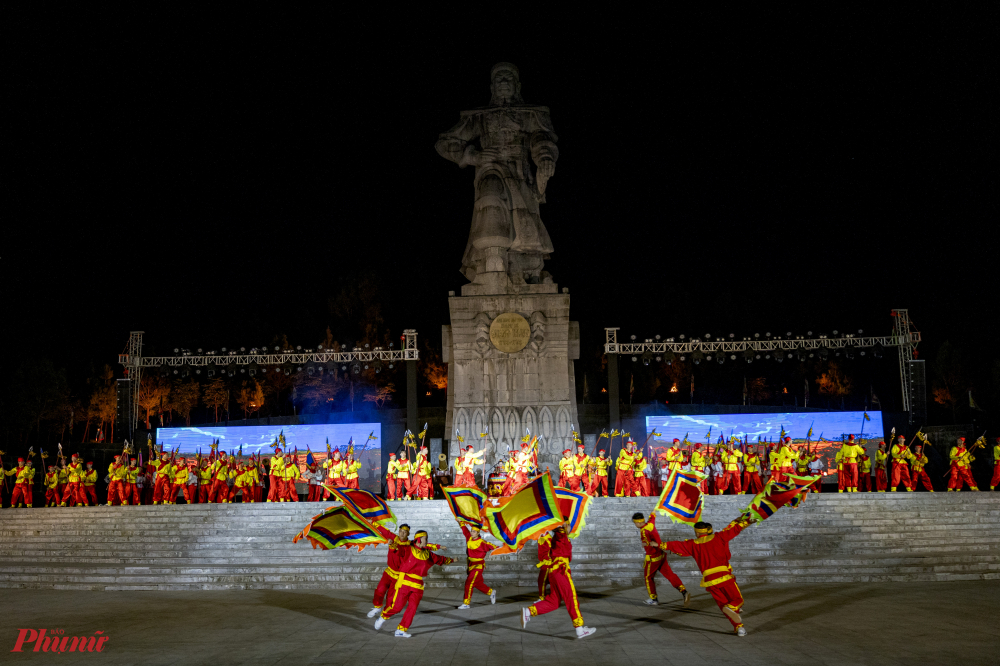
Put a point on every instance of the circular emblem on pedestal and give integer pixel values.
(510, 332)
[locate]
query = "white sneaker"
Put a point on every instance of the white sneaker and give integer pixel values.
(375, 611)
(525, 617)
(401, 634)
(541, 598)
(582, 632)
(651, 602)
(379, 622)
(464, 607)
(740, 631)
(493, 596)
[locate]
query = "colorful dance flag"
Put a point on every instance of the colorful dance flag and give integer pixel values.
(340, 527)
(466, 504)
(681, 499)
(532, 511)
(574, 507)
(777, 494)
(372, 508)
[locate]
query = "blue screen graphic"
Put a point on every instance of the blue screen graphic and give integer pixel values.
(257, 439)
(829, 429)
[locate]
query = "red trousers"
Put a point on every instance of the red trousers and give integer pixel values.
(643, 486)
(277, 485)
(51, 496)
(730, 480)
(186, 489)
(390, 488)
(995, 481)
(623, 483)
(291, 494)
(351, 483)
(402, 488)
(574, 482)
(649, 569)
(865, 482)
(116, 492)
(881, 480)
(90, 493)
(421, 486)
(204, 492)
(543, 578)
(752, 483)
(917, 477)
(900, 474)
(403, 596)
(131, 494)
(21, 495)
(474, 579)
(73, 494)
(562, 590)
(599, 484)
(850, 473)
(315, 493)
(960, 475)
(385, 585)
(161, 489)
(219, 492)
(728, 594)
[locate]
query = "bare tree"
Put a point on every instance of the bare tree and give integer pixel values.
(216, 395)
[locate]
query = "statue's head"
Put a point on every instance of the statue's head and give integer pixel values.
(505, 84)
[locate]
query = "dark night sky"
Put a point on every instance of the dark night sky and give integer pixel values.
(213, 185)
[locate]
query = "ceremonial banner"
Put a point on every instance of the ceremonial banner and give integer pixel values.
(372, 507)
(532, 511)
(775, 495)
(340, 527)
(574, 507)
(681, 499)
(466, 504)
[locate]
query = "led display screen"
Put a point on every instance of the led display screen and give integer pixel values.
(829, 429)
(313, 438)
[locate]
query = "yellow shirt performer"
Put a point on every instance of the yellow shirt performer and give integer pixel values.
(918, 473)
(849, 454)
(901, 456)
(277, 466)
(599, 479)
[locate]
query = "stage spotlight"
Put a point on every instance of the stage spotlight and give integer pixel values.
(721, 358)
(164, 370)
(657, 337)
(231, 369)
(835, 331)
(343, 368)
(197, 371)
(877, 350)
(356, 368)
(767, 357)
(756, 335)
(697, 357)
(849, 354)
(779, 357)
(210, 369)
(647, 356)
(682, 358)
(223, 349)
(331, 366)
(860, 331)
(286, 368)
(378, 365)
(681, 336)
(659, 358)
(298, 347)
(732, 357)
(311, 368)
(634, 359)
(176, 351)
(669, 356)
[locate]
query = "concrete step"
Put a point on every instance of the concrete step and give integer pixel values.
(833, 537)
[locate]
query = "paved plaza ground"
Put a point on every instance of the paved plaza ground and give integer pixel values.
(824, 624)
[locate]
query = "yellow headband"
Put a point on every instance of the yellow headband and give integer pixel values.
(419, 534)
(703, 530)
(638, 520)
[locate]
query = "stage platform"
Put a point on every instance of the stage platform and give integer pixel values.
(844, 538)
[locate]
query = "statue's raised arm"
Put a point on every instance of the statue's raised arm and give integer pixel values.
(513, 147)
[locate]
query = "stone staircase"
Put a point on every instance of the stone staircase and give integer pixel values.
(864, 537)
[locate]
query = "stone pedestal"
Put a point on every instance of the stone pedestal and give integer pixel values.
(531, 388)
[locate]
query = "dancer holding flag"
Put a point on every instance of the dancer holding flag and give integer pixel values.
(656, 560)
(409, 588)
(562, 588)
(399, 545)
(476, 550)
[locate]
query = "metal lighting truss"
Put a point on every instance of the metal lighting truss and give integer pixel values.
(904, 336)
(134, 361)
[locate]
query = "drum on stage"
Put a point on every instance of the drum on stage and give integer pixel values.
(497, 479)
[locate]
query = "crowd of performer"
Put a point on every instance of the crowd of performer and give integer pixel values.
(731, 468)
(728, 469)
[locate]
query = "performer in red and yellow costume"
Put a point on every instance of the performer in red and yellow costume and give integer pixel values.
(566, 467)
(581, 461)
(409, 587)
(624, 478)
(919, 473)
(751, 472)
(881, 477)
(599, 478)
(849, 454)
(961, 462)
(399, 544)
(710, 551)
(476, 550)
(995, 481)
(561, 582)
(656, 560)
(544, 560)
(901, 456)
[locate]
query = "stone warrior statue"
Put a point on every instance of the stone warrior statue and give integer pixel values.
(513, 148)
